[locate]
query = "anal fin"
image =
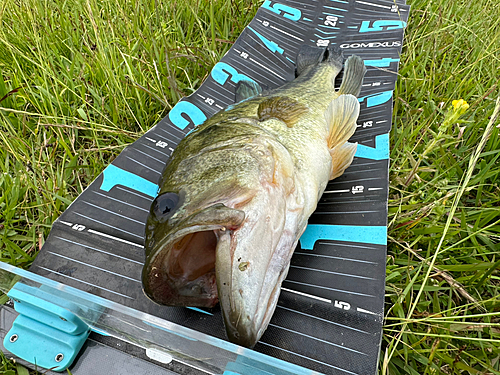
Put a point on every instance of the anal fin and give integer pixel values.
(341, 116)
(283, 108)
(342, 156)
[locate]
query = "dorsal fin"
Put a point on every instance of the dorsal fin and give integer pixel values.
(283, 108)
(246, 89)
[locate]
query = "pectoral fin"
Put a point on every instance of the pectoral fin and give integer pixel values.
(282, 108)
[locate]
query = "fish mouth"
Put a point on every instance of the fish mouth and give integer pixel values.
(180, 267)
(183, 272)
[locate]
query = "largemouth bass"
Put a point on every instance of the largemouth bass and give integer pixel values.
(237, 192)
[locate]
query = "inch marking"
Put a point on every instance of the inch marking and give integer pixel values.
(145, 166)
(163, 130)
(338, 191)
(374, 188)
(372, 4)
(308, 295)
(85, 282)
(376, 99)
(323, 320)
(108, 225)
(196, 115)
(346, 245)
(149, 156)
(284, 32)
(265, 67)
(268, 61)
(99, 250)
(380, 63)
(199, 310)
(334, 273)
(148, 198)
(288, 12)
(114, 238)
(156, 149)
(118, 200)
(342, 10)
(221, 72)
(333, 257)
(113, 213)
(365, 311)
(327, 288)
(381, 25)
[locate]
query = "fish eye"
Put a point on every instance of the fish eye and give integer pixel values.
(165, 204)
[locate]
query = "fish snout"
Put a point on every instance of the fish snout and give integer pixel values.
(242, 330)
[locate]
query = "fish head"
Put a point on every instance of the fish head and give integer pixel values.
(180, 250)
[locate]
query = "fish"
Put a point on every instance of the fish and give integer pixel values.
(238, 190)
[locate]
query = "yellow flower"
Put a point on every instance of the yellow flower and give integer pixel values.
(460, 105)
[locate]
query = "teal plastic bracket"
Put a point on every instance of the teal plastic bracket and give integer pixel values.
(47, 332)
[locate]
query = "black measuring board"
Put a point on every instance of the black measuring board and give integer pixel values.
(330, 312)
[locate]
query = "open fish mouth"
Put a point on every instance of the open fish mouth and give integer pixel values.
(183, 272)
(180, 270)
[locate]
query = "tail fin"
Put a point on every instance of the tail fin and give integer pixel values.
(354, 73)
(312, 56)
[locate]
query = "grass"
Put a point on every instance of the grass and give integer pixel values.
(80, 80)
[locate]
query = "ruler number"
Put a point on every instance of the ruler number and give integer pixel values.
(357, 189)
(322, 42)
(331, 21)
(78, 227)
(342, 305)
